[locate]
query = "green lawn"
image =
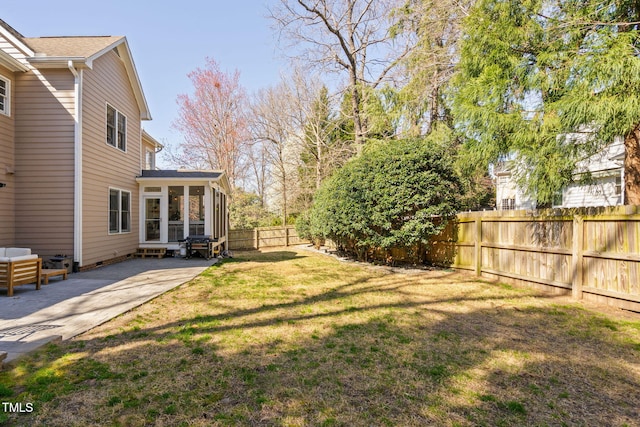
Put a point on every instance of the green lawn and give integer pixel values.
(291, 337)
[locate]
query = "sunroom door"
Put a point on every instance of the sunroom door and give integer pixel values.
(152, 222)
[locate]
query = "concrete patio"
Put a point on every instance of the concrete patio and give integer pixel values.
(66, 308)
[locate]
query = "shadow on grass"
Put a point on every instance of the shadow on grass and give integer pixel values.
(268, 256)
(367, 352)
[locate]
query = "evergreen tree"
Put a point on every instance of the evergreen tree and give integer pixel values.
(535, 76)
(436, 27)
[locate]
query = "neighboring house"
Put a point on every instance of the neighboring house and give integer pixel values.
(78, 169)
(509, 195)
(604, 188)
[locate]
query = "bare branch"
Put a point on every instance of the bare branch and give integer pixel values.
(351, 35)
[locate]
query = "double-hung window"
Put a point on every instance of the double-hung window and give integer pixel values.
(116, 128)
(119, 211)
(5, 96)
(508, 204)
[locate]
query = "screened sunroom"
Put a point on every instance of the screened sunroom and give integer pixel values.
(178, 204)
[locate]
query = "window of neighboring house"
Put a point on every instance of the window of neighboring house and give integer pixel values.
(558, 198)
(119, 211)
(618, 186)
(508, 204)
(116, 128)
(5, 95)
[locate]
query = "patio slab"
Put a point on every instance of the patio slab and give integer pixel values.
(66, 308)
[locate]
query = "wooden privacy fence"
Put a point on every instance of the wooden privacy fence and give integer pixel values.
(590, 253)
(264, 237)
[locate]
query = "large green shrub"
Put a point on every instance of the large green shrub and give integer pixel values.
(386, 198)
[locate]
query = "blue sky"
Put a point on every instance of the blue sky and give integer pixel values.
(168, 39)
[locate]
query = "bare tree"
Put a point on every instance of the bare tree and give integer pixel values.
(259, 170)
(213, 123)
(286, 122)
(352, 36)
(274, 124)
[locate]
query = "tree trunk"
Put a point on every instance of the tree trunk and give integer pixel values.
(358, 125)
(284, 202)
(319, 160)
(434, 99)
(632, 167)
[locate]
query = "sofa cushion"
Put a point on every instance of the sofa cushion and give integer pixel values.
(14, 252)
(2, 252)
(18, 258)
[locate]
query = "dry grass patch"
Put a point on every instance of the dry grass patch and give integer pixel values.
(292, 337)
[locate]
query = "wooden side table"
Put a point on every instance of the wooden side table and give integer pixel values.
(49, 272)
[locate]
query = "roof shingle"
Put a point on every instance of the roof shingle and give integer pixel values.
(70, 47)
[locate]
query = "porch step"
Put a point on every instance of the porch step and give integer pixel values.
(151, 252)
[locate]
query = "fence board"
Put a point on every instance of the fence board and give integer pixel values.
(265, 237)
(595, 250)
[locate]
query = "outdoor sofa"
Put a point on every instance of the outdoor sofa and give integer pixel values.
(18, 266)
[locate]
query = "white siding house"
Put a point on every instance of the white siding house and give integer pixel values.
(605, 188)
(509, 195)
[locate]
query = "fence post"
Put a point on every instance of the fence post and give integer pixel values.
(576, 257)
(286, 235)
(478, 246)
(256, 238)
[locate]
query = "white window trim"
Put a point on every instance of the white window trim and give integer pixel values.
(7, 97)
(561, 194)
(126, 121)
(508, 204)
(618, 185)
(120, 231)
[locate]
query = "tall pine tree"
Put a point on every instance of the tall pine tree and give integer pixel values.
(537, 75)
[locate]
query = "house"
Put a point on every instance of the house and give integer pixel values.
(509, 196)
(604, 188)
(77, 170)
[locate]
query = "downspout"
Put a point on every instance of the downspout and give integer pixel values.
(77, 143)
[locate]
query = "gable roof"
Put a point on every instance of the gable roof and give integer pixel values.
(15, 40)
(146, 137)
(81, 51)
(73, 51)
(73, 47)
(10, 29)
